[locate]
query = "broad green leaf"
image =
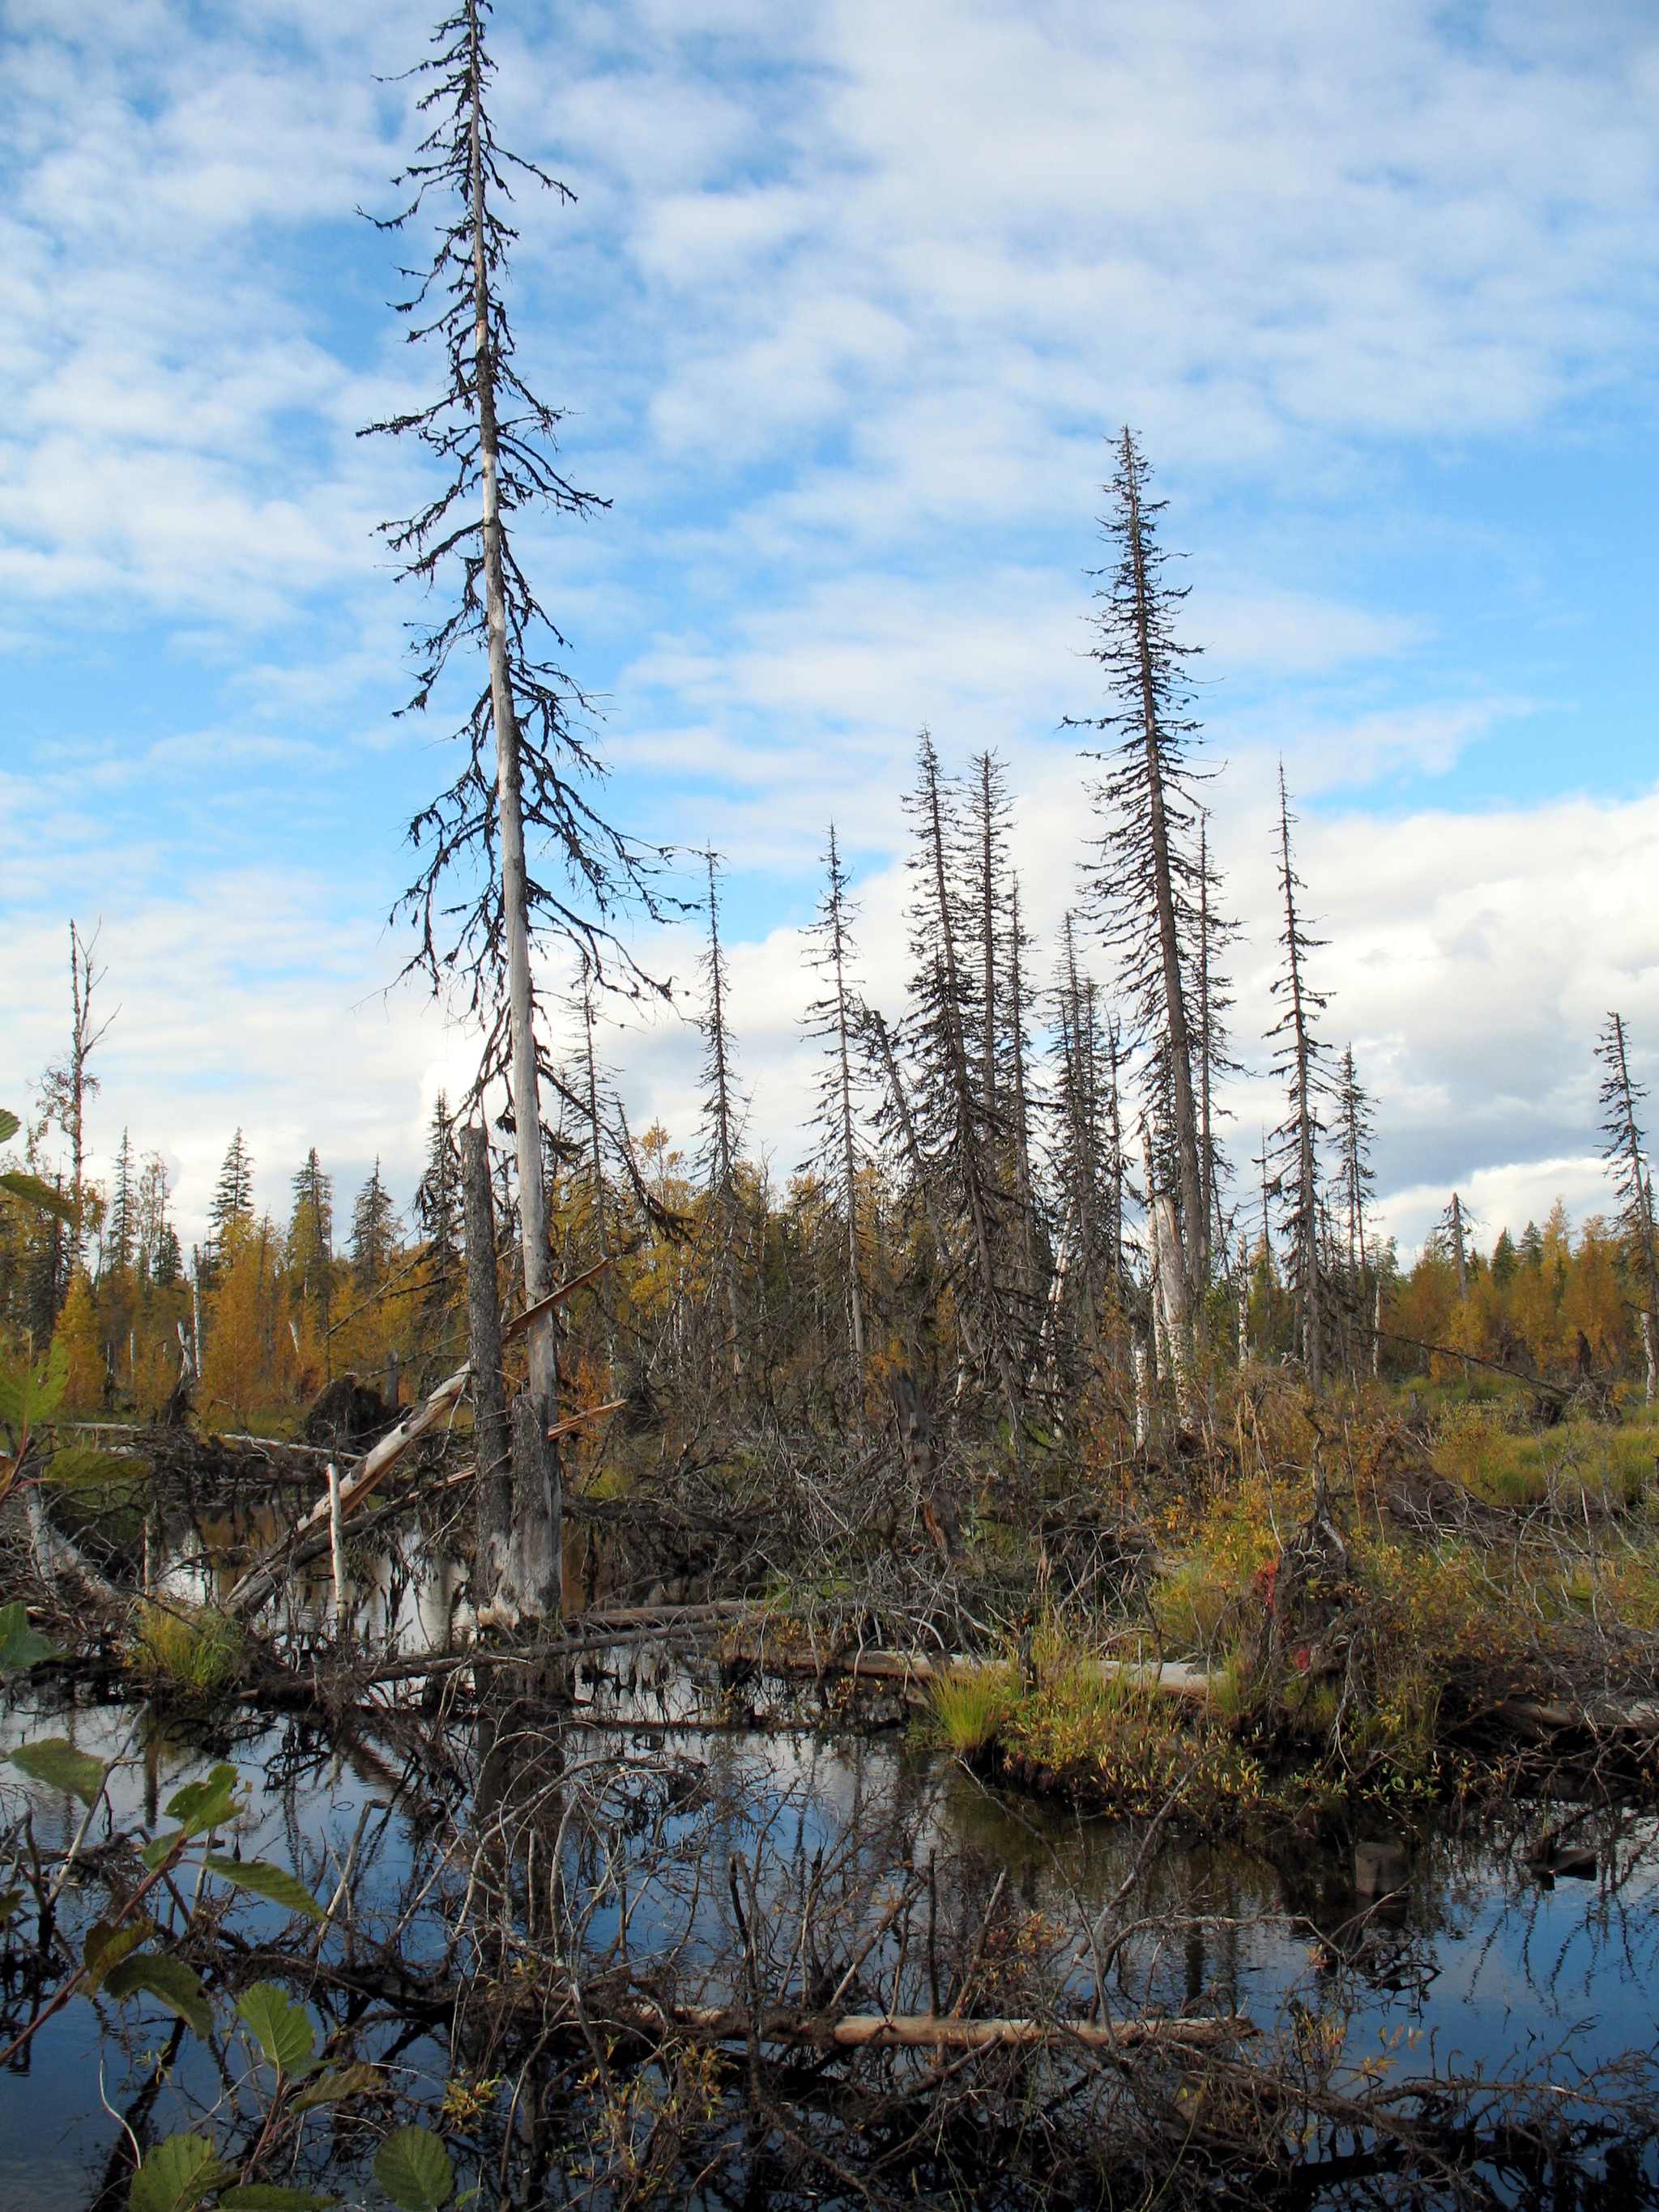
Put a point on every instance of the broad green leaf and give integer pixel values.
(168, 1979)
(41, 1195)
(282, 2028)
(413, 2168)
(176, 2175)
(21, 1646)
(266, 2197)
(9, 1901)
(275, 1882)
(105, 1947)
(29, 1395)
(10, 1125)
(61, 1767)
(207, 1804)
(354, 2081)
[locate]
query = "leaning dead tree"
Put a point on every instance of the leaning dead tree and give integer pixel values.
(1146, 876)
(528, 766)
(1621, 1148)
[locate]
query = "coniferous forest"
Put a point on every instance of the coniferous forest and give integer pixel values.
(1028, 1656)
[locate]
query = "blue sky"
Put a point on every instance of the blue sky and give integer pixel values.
(848, 303)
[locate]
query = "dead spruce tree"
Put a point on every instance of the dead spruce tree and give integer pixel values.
(1621, 1148)
(528, 766)
(1298, 1060)
(1213, 933)
(832, 1018)
(946, 1110)
(719, 1108)
(1145, 877)
(1353, 1120)
(68, 1086)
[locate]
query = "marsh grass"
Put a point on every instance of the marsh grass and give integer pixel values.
(195, 1649)
(970, 1704)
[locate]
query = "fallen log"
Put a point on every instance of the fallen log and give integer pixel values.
(1175, 1678)
(944, 2032)
(262, 1578)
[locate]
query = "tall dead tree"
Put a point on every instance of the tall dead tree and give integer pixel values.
(831, 1018)
(1297, 1056)
(1354, 1122)
(719, 1104)
(529, 766)
(1146, 876)
(596, 1169)
(943, 1009)
(1212, 933)
(1622, 1149)
(70, 1086)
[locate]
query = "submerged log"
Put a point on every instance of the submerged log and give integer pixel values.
(947, 2032)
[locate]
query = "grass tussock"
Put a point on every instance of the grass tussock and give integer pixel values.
(971, 1704)
(195, 1649)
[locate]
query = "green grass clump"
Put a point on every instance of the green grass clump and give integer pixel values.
(971, 1703)
(194, 1649)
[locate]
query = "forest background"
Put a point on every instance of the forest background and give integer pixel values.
(841, 357)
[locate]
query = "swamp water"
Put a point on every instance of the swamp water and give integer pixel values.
(1479, 1970)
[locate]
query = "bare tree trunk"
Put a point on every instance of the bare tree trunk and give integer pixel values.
(515, 893)
(1022, 1115)
(1458, 1252)
(491, 1496)
(1169, 1300)
(1376, 1333)
(1143, 1393)
(1243, 1300)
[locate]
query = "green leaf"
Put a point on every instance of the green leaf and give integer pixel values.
(21, 1646)
(41, 1195)
(413, 2168)
(61, 1767)
(204, 1805)
(354, 2081)
(29, 1395)
(10, 1125)
(266, 2197)
(176, 2175)
(168, 1979)
(9, 1901)
(105, 1947)
(282, 2028)
(275, 1882)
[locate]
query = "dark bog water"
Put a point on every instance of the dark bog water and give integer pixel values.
(1476, 1968)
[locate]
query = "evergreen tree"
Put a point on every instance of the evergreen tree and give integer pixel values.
(1298, 1059)
(311, 1238)
(947, 1116)
(438, 1208)
(832, 1018)
(374, 1226)
(1146, 876)
(231, 1205)
(122, 1241)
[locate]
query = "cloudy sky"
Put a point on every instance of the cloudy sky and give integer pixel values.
(850, 299)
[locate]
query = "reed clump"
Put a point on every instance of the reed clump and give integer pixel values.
(194, 1649)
